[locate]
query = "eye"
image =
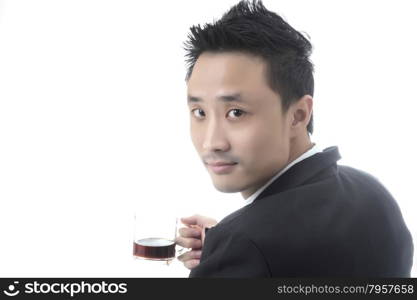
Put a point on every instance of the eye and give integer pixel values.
(198, 113)
(235, 113)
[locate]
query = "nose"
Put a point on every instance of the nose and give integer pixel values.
(215, 138)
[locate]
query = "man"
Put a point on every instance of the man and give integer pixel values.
(250, 97)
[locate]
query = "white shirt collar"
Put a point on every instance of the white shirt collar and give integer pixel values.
(315, 149)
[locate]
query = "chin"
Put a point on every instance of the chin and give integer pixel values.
(227, 188)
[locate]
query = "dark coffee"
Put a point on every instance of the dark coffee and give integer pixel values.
(154, 248)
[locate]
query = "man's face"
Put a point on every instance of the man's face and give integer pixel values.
(237, 123)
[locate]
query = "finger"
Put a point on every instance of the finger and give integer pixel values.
(198, 220)
(193, 254)
(192, 220)
(190, 264)
(189, 232)
(188, 242)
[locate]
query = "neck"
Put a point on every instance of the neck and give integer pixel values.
(299, 146)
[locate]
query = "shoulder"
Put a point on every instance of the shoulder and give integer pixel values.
(337, 206)
(365, 190)
(348, 220)
(349, 176)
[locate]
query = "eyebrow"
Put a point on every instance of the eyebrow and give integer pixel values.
(224, 98)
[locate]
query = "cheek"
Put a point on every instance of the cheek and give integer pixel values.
(261, 147)
(196, 136)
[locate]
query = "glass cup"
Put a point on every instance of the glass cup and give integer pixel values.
(154, 237)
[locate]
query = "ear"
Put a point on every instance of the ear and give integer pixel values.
(301, 114)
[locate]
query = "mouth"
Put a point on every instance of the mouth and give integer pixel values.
(221, 167)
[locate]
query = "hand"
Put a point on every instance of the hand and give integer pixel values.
(192, 237)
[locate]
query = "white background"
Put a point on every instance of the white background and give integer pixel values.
(94, 123)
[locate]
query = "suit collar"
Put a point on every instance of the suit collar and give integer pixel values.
(302, 171)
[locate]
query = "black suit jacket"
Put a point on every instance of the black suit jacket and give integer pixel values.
(318, 219)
